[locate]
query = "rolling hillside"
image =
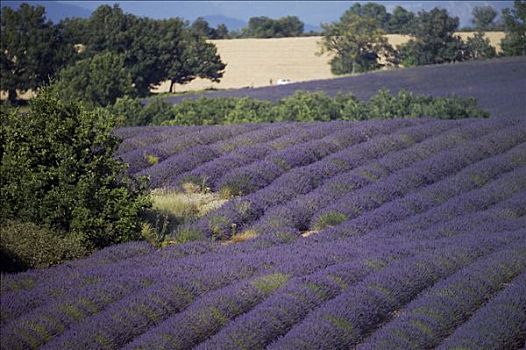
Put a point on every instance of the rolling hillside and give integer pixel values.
(399, 234)
(499, 85)
(254, 62)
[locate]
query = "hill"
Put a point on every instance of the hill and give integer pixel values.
(407, 232)
(261, 62)
(497, 84)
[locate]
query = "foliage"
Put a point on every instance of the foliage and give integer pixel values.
(58, 171)
(400, 21)
(154, 50)
(478, 47)
(307, 106)
(264, 27)
(357, 42)
(25, 245)
(301, 106)
(201, 28)
(483, 17)
(31, 49)
(514, 43)
(434, 41)
(98, 80)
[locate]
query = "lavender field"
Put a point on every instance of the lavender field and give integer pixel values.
(499, 85)
(386, 234)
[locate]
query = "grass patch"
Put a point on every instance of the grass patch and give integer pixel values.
(244, 236)
(171, 209)
(332, 218)
(269, 283)
(152, 159)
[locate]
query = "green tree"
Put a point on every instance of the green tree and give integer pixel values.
(514, 43)
(483, 17)
(434, 40)
(221, 32)
(200, 27)
(357, 42)
(31, 49)
(479, 47)
(58, 170)
(154, 50)
(401, 21)
(193, 57)
(371, 10)
(264, 27)
(98, 80)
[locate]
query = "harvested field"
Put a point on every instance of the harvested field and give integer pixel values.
(254, 62)
(399, 234)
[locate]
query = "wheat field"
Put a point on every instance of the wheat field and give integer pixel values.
(257, 62)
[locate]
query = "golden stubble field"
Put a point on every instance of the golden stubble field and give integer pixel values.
(255, 62)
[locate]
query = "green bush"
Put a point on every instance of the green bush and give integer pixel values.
(329, 219)
(57, 170)
(301, 106)
(98, 80)
(305, 106)
(25, 245)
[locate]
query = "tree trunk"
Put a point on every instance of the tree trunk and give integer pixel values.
(172, 83)
(11, 96)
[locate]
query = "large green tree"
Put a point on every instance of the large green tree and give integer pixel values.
(514, 43)
(434, 40)
(357, 42)
(31, 49)
(58, 170)
(154, 50)
(400, 21)
(98, 80)
(483, 17)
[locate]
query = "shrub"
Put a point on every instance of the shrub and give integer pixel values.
(57, 170)
(302, 106)
(25, 245)
(305, 106)
(98, 80)
(329, 219)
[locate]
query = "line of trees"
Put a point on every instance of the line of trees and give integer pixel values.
(399, 21)
(358, 43)
(87, 54)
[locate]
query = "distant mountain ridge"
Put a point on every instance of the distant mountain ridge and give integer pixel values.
(235, 14)
(55, 11)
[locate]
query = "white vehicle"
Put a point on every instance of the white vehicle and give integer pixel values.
(283, 81)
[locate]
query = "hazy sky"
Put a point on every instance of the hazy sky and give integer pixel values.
(312, 12)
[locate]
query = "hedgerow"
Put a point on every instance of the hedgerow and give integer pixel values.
(301, 106)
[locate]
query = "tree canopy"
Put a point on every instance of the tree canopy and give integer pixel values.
(514, 44)
(98, 80)
(58, 170)
(31, 49)
(264, 27)
(434, 40)
(484, 17)
(357, 42)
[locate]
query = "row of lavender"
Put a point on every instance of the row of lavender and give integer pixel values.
(286, 281)
(386, 274)
(208, 154)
